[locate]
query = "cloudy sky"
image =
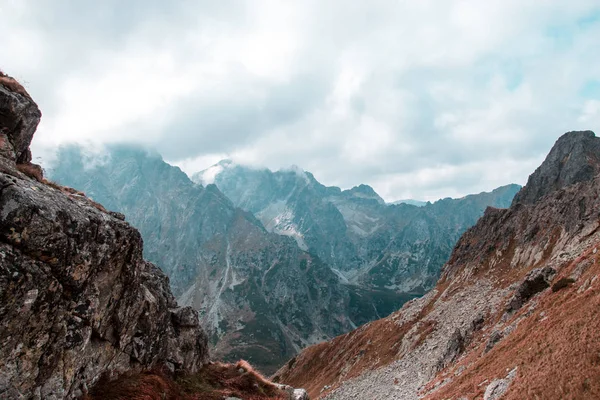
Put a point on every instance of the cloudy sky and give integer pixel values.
(420, 99)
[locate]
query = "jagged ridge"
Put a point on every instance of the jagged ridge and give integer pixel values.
(575, 157)
(369, 243)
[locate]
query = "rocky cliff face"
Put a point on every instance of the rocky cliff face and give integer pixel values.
(514, 315)
(377, 246)
(76, 297)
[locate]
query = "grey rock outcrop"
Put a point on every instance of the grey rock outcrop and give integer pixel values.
(77, 299)
(573, 159)
(300, 394)
(454, 348)
(494, 338)
(19, 118)
(499, 387)
(292, 393)
(537, 280)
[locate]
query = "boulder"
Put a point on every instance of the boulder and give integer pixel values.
(536, 281)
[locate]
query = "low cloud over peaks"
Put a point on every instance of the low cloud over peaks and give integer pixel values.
(422, 100)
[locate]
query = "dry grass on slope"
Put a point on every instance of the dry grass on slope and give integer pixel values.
(150, 385)
(214, 381)
(556, 349)
(371, 346)
(347, 356)
(33, 171)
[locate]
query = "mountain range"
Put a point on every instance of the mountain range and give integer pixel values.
(367, 242)
(274, 261)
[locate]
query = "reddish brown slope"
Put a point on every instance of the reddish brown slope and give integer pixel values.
(494, 290)
(556, 348)
(371, 346)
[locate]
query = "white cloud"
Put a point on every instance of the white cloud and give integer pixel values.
(590, 115)
(420, 99)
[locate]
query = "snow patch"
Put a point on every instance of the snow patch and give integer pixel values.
(293, 233)
(279, 219)
(235, 280)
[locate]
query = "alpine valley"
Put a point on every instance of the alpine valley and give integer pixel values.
(275, 261)
(299, 200)
(491, 296)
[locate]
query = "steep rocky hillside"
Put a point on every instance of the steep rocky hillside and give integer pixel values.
(76, 297)
(260, 296)
(400, 247)
(514, 315)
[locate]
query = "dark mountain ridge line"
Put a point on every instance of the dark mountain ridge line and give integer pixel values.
(197, 177)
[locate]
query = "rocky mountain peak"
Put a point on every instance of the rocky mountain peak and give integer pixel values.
(574, 158)
(19, 119)
(365, 191)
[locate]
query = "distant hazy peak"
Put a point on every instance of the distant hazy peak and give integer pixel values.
(411, 202)
(294, 168)
(508, 190)
(575, 157)
(364, 191)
